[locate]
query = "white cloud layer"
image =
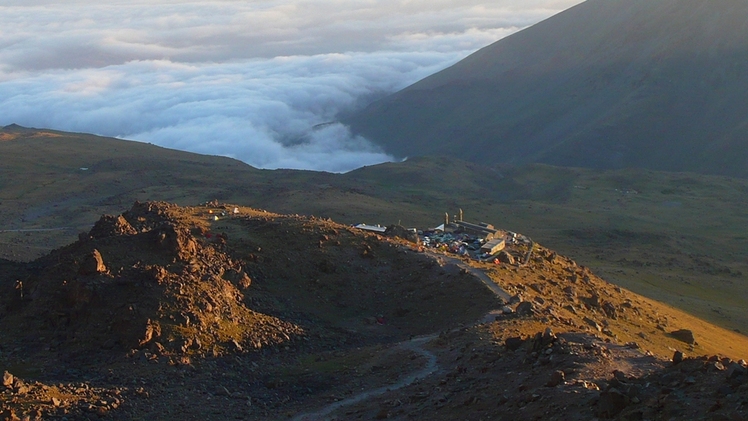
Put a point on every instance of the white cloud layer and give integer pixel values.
(247, 79)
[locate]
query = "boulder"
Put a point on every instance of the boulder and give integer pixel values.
(610, 310)
(570, 308)
(8, 379)
(678, 357)
(548, 337)
(525, 308)
(611, 403)
(505, 257)
(593, 301)
(557, 377)
(684, 335)
(400, 231)
(92, 264)
(514, 344)
(152, 330)
(736, 370)
(539, 288)
(543, 340)
(593, 323)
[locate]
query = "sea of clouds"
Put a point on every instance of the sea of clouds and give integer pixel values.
(254, 80)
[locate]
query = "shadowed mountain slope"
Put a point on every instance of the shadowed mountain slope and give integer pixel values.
(606, 84)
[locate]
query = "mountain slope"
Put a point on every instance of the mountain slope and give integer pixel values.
(605, 84)
(225, 312)
(53, 184)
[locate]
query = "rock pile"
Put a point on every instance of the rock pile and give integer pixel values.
(148, 280)
(35, 400)
(679, 391)
(110, 226)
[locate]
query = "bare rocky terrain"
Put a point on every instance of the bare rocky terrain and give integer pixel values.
(226, 312)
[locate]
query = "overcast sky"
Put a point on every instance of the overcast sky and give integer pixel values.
(242, 78)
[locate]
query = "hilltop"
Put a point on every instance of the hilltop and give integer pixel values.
(605, 84)
(221, 311)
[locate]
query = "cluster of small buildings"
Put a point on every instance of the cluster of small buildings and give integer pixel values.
(481, 241)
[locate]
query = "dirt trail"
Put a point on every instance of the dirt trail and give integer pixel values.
(38, 229)
(497, 290)
(415, 345)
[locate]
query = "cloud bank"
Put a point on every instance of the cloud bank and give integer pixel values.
(254, 80)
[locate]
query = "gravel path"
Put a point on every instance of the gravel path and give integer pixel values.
(480, 275)
(415, 345)
(39, 229)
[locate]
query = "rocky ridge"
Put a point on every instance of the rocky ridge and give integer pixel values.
(144, 281)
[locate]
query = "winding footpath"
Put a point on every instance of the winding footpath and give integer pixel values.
(415, 345)
(496, 289)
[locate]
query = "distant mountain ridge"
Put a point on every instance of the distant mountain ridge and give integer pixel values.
(658, 84)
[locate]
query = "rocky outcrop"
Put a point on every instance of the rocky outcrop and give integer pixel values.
(177, 241)
(92, 264)
(400, 231)
(110, 226)
(163, 284)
